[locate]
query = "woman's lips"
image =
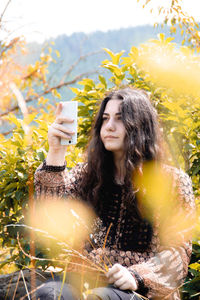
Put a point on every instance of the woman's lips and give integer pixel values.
(110, 137)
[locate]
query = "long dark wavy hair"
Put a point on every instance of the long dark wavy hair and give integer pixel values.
(141, 144)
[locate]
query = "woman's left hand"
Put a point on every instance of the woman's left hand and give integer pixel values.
(121, 278)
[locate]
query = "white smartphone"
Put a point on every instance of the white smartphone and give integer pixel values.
(70, 110)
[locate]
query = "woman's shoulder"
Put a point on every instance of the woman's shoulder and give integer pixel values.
(177, 174)
(182, 182)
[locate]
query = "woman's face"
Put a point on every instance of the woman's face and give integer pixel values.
(112, 130)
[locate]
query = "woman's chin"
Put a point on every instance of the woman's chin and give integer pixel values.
(111, 149)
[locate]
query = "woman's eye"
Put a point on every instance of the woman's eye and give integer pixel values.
(104, 118)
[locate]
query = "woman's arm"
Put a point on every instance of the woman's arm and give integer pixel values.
(56, 154)
(57, 181)
(165, 272)
(52, 177)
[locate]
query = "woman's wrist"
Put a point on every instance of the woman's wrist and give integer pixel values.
(55, 157)
(139, 281)
(52, 168)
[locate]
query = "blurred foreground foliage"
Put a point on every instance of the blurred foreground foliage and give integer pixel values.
(171, 94)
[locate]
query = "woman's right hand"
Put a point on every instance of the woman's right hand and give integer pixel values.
(57, 130)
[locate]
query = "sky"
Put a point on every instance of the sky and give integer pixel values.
(38, 20)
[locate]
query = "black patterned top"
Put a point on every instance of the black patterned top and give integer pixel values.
(133, 244)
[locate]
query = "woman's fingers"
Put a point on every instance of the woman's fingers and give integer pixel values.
(58, 133)
(115, 273)
(115, 277)
(120, 281)
(116, 268)
(124, 286)
(121, 278)
(59, 117)
(62, 119)
(58, 109)
(62, 128)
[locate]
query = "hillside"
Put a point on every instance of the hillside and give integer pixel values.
(80, 44)
(71, 47)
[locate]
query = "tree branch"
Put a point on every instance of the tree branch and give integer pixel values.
(60, 85)
(1, 17)
(82, 57)
(11, 44)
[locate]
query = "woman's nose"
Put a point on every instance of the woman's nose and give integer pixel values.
(110, 124)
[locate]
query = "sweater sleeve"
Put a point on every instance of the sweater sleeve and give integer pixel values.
(57, 181)
(165, 272)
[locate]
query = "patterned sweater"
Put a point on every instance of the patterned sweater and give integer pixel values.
(162, 269)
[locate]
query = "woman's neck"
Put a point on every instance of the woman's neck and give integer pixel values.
(120, 170)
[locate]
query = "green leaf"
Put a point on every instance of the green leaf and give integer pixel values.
(75, 90)
(57, 53)
(114, 57)
(161, 37)
(196, 170)
(103, 81)
(56, 94)
(11, 185)
(41, 155)
(195, 266)
(87, 82)
(12, 118)
(18, 195)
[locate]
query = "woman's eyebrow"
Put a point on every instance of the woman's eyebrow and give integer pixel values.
(117, 114)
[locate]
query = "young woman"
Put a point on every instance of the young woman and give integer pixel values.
(125, 136)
